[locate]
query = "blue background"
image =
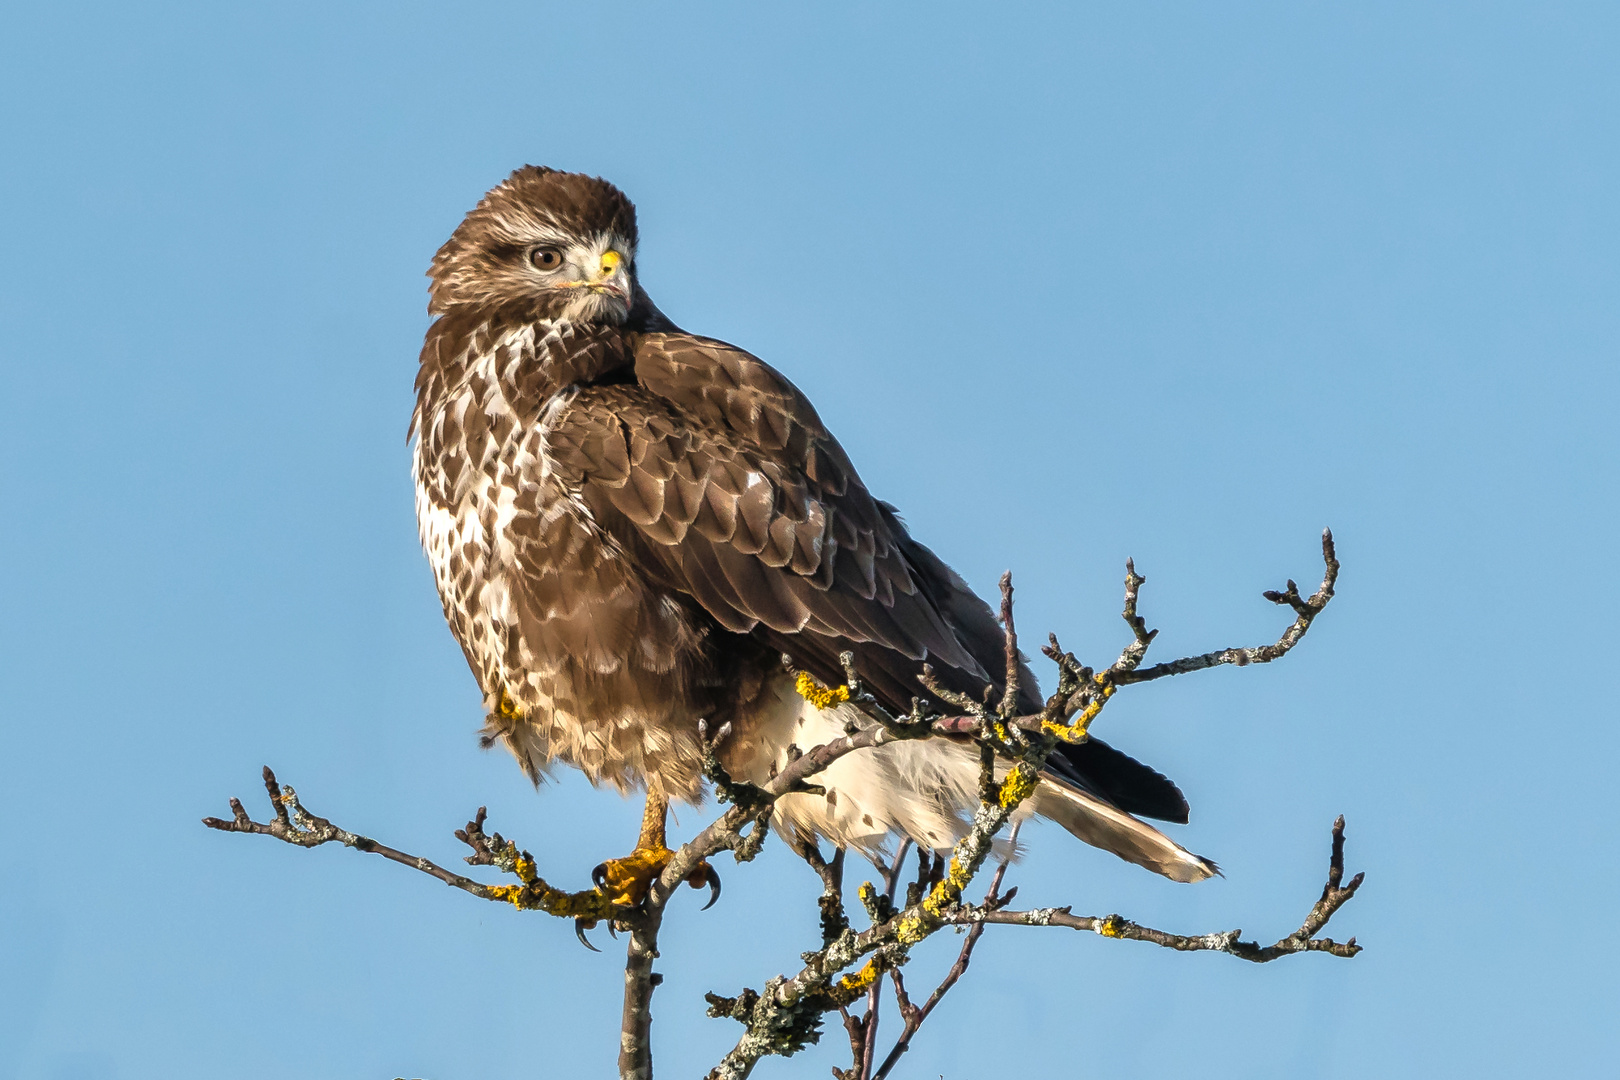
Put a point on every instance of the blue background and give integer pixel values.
(1184, 284)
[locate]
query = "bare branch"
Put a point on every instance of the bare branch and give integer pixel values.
(874, 997)
(1113, 926)
(640, 980)
(831, 872)
(914, 1016)
(1009, 649)
(305, 829)
(1305, 610)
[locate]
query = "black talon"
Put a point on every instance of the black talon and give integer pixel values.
(613, 930)
(599, 875)
(580, 926)
(711, 878)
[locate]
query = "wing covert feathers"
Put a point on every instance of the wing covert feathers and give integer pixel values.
(719, 478)
(718, 473)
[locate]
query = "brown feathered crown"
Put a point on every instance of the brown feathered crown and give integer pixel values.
(532, 205)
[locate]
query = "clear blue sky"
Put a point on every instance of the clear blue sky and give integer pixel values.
(1183, 284)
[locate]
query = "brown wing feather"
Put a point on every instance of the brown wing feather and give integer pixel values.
(719, 476)
(717, 472)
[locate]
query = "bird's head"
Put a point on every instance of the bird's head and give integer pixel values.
(564, 242)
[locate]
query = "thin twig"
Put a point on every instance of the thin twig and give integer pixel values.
(1305, 609)
(294, 824)
(914, 1016)
(1009, 650)
(304, 829)
(1113, 926)
(874, 996)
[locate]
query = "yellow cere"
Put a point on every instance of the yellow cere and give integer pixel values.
(610, 261)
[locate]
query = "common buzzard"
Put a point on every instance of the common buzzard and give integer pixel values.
(630, 524)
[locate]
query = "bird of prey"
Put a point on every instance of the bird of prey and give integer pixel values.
(630, 525)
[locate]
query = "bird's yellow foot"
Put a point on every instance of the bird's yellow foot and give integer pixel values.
(625, 881)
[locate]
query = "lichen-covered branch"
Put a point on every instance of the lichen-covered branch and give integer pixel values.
(294, 824)
(851, 963)
(787, 1014)
(1305, 609)
(1113, 926)
(863, 1029)
(914, 1016)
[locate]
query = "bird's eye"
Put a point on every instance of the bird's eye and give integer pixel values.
(546, 258)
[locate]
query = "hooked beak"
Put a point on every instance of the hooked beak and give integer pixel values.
(602, 292)
(610, 276)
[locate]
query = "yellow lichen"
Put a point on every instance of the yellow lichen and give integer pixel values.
(1018, 786)
(1075, 731)
(820, 696)
(913, 927)
(851, 985)
(538, 896)
(1111, 927)
(957, 877)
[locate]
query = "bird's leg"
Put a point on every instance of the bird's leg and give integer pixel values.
(625, 881)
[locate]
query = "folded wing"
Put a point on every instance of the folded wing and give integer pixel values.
(721, 477)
